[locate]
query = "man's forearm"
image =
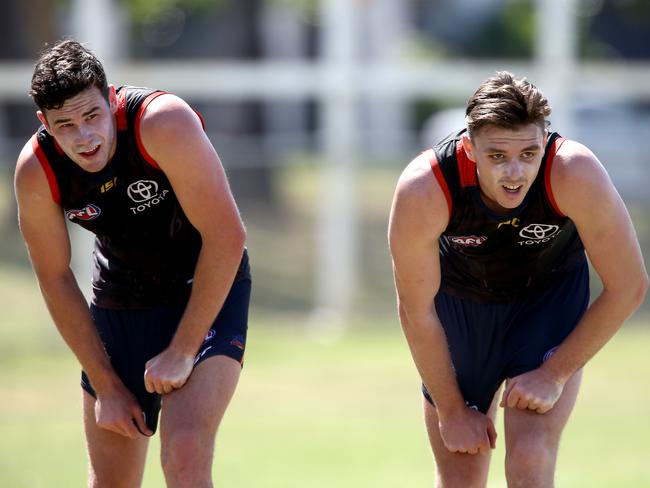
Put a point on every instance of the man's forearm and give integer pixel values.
(430, 352)
(598, 325)
(71, 316)
(213, 278)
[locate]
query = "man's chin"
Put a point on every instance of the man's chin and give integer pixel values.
(92, 165)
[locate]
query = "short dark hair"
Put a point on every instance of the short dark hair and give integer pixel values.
(63, 71)
(506, 101)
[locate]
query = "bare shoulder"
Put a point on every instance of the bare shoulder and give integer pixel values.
(419, 197)
(172, 133)
(29, 178)
(578, 178)
(574, 158)
(417, 177)
(166, 113)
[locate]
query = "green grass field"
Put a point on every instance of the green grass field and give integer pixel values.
(310, 411)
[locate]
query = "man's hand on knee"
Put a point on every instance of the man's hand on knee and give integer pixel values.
(467, 431)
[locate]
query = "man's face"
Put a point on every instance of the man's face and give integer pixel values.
(507, 162)
(84, 128)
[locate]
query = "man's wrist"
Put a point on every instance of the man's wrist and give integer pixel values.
(449, 409)
(104, 382)
(184, 347)
(556, 371)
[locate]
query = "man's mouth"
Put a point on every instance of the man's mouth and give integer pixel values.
(91, 152)
(512, 188)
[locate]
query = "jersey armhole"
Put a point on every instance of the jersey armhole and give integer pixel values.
(547, 174)
(141, 110)
(437, 172)
(49, 173)
(147, 157)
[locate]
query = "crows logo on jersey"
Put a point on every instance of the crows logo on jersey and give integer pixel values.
(89, 212)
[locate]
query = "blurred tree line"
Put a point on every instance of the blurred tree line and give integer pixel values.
(228, 29)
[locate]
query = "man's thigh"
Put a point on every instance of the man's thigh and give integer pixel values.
(191, 415)
(526, 429)
(194, 411)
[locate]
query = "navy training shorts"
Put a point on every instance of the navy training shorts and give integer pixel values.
(132, 337)
(494, 341)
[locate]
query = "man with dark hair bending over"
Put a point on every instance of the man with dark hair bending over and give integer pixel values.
(488, 233)
(168, 319)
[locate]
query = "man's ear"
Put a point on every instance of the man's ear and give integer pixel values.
(112, 99)
(41, 116)
(468, 147)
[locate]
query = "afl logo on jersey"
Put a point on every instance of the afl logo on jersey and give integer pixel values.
(468, 240)
(538, 233)
(142, 190)
(89, 212)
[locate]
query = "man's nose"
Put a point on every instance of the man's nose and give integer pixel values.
(515, 169)
(84, 134)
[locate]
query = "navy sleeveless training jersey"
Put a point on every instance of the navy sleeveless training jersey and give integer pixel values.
(489, 257)
(145, 247)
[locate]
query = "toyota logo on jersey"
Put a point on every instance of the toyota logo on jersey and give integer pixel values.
(89, 212)
(145, 194)
(538, 233)
(142, 190)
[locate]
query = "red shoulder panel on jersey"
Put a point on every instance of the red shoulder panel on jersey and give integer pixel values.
(121, 109)
(547, 173)
(141, 110)
(45, 164)
(466, 167)
(437, 172)
(200, 118)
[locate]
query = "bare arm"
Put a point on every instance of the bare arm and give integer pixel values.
(585, 193)
(43, 228)
(172, 134)
(419, 215)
